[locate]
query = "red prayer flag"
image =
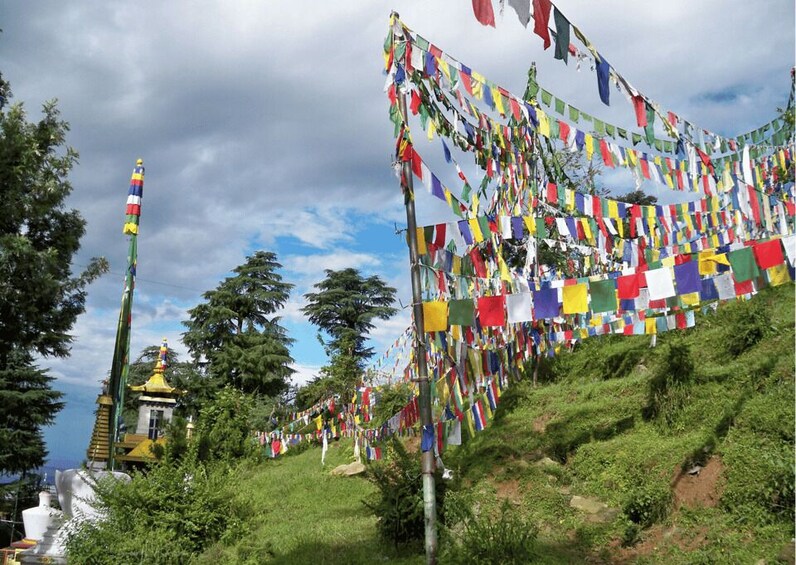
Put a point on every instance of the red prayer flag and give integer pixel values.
(606, 154)
(484, 13)
(491, 311)
(563, 130)
(541, 15)
(641, 110)
(743, 287)
(769, 254)
(627, 286)
(414, 106)
(417, 163)
(466, 82)
(552, 192)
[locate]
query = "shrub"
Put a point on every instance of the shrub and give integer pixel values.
(504, 539)
(169, 514)
(398, 502)
(647, 503)
(747, 323)
(224, 428)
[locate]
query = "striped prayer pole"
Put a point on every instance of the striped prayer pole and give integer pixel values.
(120, 366)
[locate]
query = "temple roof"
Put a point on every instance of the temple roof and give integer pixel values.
(157, 384)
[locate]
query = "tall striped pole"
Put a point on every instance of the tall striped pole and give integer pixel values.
(120, 366)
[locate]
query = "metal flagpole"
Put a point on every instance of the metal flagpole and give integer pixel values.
(427, 457)
(121, 352)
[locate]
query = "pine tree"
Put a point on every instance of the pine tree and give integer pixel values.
(40, 298)
(344, 309)
(236, 332)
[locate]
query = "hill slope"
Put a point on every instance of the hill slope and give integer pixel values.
(678, 454)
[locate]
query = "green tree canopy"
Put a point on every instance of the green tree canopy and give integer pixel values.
(638, 197)
(40, 297)
(344, 309)
(236, 332)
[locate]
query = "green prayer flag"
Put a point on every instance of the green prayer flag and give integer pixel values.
(743, 264)
(574, 114)
(603, 296)
(622, 133)
(461, 312)
(541, 228)
(547, 98)
(610, 130)
(554, 129)
(428, 233)
(668, 146)
(599, 126)
(483, 223)
(586, 117)
(649, 131)
(659, 145)
(561, 106)
(636, 138)
(533, 89)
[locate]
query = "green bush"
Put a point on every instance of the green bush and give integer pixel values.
(746, 323)
(223, 430)
(647, 503)
(169, 514)
(500, 540)
(398, 502)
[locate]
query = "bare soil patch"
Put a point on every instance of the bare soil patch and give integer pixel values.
(539, 425)
(699, 489)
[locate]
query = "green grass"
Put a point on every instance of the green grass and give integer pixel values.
(590, 416)
(305, 515)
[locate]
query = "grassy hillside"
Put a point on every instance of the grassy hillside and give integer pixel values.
(684, 454)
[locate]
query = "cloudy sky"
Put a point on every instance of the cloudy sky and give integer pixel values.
(263, 125)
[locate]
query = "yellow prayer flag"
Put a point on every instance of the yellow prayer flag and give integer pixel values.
(421, 242)
(544, 123)
(435, 316)
(576, 299)
(456, 333)
(706, 265)
(468, 414)
(476, 230)
(443, 66)
(668, 261)
(431, 129)
(457, 265)
(477, 84)
(613, 209)
(778, 275)
(589, 146)
(504, 270)
(569, 198)
(650, 327)
(630, 155)
(496, 96)
(586, 229)
(530, 224)
(690, 299)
